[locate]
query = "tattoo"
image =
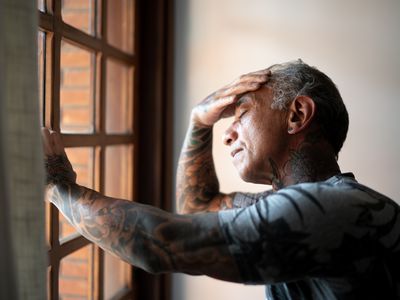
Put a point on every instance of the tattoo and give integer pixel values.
(59, 169)
(276, 177)
(145, 236)
(197, 182)
(312, 160)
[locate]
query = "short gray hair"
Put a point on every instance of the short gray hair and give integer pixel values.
(296, 78)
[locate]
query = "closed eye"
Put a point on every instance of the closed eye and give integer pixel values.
(242, 114)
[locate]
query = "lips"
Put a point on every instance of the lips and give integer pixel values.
(236, 151)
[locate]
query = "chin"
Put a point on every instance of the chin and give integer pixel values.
(252, 178)
(247, 177)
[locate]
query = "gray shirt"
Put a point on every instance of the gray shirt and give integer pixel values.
(335, 239)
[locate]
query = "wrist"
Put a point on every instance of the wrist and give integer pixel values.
(195, 122)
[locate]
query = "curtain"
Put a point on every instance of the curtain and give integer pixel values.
(22, 243)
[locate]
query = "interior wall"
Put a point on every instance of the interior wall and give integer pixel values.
(355, 42)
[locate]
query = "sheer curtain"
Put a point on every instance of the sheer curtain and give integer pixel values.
(22, 248)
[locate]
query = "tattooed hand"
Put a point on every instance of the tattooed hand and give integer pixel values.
(220, 104)
(58, 167)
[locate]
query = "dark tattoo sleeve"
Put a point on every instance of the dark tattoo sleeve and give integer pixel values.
(197, 188)
(144, 236)
(59, 169)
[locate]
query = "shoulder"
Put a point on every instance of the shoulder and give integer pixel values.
(241, 200)
(340, 188)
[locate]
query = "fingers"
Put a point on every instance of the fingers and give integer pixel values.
(260, 72)
(241, 88)
(255, 77)
(52, 143)
(246, 83)
(57, 143)
(47, 143)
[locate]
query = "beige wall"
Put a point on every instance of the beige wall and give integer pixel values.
(355, 42)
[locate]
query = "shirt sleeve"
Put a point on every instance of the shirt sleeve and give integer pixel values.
(246, 199)
(296, 232)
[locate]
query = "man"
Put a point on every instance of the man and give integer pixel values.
(318, 234)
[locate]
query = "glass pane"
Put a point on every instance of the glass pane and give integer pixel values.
(83, 164)
(117, 276)
(76, 89)
(80, 14)
(119, 97)
(118, 172)
(41, 68)
(120, 27)
(76, 274)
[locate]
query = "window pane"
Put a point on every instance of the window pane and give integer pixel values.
(41, 68)
(120, 27)
(119, 97)
(118, 172)
(80, 14)
(117, 276)
(76, 89)
(83, 164)
(76, 274)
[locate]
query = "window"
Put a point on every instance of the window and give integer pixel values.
(86, 64)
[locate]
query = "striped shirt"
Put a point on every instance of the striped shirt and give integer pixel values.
(335, 239)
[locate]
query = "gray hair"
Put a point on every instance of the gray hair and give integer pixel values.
(296, 78)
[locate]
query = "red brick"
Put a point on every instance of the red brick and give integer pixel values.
(62, 297)
(76, 78)
(75, 96)
(80, 156)
(77, 19)
(73, 287)
(79, 58)
(74, 270)
(76, 4)
(76, 116)
(80, 254)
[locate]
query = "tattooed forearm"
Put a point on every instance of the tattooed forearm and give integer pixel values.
(144, 236)
(59, 169)
(197, 186)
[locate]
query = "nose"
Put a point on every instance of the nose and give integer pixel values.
(230, 135)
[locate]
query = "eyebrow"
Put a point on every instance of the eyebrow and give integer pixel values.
(243, 99)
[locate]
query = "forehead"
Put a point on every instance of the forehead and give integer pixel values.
(260, 97)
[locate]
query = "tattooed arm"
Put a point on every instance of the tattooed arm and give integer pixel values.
(197, 186)
(144, 236)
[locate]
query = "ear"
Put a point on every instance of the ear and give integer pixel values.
(301, 113)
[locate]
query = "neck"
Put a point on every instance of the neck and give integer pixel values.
(311, 159)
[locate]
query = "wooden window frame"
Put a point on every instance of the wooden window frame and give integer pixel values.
(152, 125)
(52, 24)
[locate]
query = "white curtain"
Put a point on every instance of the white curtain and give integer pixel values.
(22, 248)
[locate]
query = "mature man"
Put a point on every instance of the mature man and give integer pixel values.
(318, 234)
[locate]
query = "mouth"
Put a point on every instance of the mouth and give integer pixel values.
(236, 151)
